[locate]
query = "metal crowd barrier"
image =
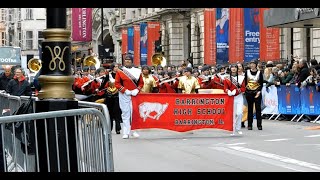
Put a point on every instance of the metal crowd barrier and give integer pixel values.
(92, 140)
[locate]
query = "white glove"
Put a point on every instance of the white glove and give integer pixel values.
(127, 92)
(304, 83)
(229, 93)
(134, 92)
(234, 92)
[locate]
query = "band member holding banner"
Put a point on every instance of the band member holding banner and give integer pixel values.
(188, 84)
(234, 86)
(254, 84)
(129, 82)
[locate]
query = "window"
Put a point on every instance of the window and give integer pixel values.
(133, 14)
(3, 37)
(40, 39)
(3, 14)
(139, 12)
(145, 10)
(29, 40)
(29, 14)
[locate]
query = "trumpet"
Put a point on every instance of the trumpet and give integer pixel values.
(95, 79)
(169, 80)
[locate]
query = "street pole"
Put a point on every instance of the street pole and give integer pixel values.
(102, 26)
(56, 94)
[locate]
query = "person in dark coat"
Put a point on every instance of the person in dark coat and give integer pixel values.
(19, 86)
(304, 72)
(5, 77)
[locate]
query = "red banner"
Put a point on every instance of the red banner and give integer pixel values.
(82, 24)
(136, 45)
(124, 45)
(210, 36)
(182, 112)
(236, 40)
(269, 41)
(153, 35)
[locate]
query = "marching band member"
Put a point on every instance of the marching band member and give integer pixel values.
(129, 82)
(112, 97)
(217, 81)
(92, 72)
(149, 82)
(234, 85)
(84, 78)
(187, 83)
(96, 83)
(254, 83)
(170, 84)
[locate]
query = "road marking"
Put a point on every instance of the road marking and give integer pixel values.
(234, 144)
(277, 140)
(269, 134)
(277, 157)
(273, 159)
(316, 135)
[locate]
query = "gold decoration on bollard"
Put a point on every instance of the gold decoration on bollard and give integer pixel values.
(55, 55)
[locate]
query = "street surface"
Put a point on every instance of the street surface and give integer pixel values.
(281, 146)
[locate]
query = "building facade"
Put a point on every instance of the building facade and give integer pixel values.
(182, 33)
(23, 28)
(300, 31)
(2, 27)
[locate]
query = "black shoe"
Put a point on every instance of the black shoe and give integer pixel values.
(249, 128)
(242, 125)
(260, 128)
(118, 132)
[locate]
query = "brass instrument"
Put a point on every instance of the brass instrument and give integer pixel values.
(158, 59)
(169, 80)
(34, 65)
(89, 82)
(91, 61)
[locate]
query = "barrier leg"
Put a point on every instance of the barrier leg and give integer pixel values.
(271, 116)
(315, 121)
(277, 116)
(300, 117)
(294, 117)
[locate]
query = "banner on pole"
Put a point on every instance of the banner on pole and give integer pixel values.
(251, 34)
(182, 112)
(210, 36)
(143, 43)
(82, 24)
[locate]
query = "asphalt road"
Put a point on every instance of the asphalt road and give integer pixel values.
(280, 147)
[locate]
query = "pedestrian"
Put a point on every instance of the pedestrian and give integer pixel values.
(129, 82)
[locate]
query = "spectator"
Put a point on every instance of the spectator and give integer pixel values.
(304, 72)
(19, 86)
(315, 64)
(286, 76)
(5, 77)
(311, 79)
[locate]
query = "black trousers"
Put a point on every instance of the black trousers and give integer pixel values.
(257, 102)
(112, 103)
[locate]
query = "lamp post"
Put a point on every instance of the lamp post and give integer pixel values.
(57, 151)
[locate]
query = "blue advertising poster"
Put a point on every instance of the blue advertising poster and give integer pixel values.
(143, 43)
(251, 34)
(222, 35)
(130, 41)
(289, 100)
(310, 101)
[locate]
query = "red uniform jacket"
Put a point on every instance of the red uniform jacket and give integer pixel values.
(233, 84)
(95, 85)
(124, 82)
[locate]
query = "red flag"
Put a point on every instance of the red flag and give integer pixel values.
(236, 40)
(136, 46)
(153, 35)
(124, 45)
(269, 41)
(210, 36)
(182, 112)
